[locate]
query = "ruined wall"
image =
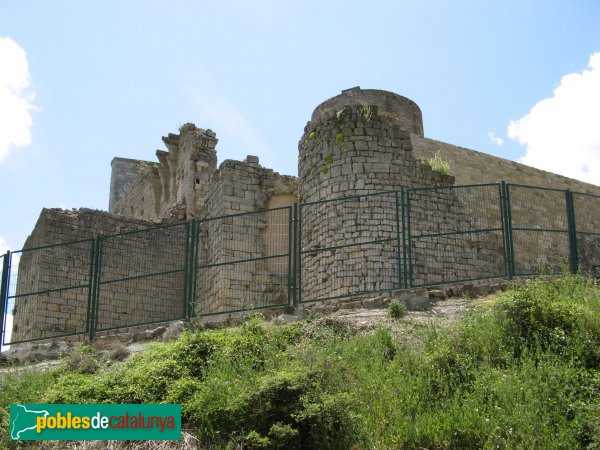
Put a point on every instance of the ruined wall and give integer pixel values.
(65, 269)
(140, 196)
(587, 220)
(125, 173)
(175, 187)
(358, 150)
(230, 277)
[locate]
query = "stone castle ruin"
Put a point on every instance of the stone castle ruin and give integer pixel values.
(337, 226)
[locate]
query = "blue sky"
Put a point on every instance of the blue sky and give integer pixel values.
(84, 81)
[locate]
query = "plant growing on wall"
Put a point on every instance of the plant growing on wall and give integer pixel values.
(367, 113)
(439, 164)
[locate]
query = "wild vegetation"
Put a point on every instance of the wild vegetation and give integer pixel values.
(519, 372)
(439, 164)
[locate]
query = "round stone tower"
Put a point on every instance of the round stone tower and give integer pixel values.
(357, 143)
(356, 146)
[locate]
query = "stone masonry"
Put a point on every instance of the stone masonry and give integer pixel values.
(357, 151)
(45, 267)
(359, 144)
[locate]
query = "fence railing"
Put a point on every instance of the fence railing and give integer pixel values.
(455, 233)
(308, 252)
(232, 274)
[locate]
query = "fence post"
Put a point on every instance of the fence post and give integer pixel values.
(190, 246)
(4, 294)
(292, 255)
(398, 243)
(573, 255)
(408, 280)
(509, 255)
(507, 231)
(94, 289)
(299, 256)
(195, 265)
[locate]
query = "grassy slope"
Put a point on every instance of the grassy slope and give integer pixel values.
(522, 372)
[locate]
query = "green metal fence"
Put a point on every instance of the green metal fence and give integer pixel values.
(233, 275)
(55, 304)
(151, 287)
(351, 246)
(3, 287)
(540, 232)
(316, 251)
(455, 233)
(586, 222)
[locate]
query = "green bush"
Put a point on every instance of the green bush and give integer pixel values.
(84, 359)
(556, 314)
(520, 372)
(22, 385)
(330, 422)
(396, 309)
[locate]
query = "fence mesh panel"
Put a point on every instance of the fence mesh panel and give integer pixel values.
(3, 306)
(350, 246)
(540, 229)
(142, 277)
(48, 291)
(587, 224)
(346, 247)
(243, 261)
(455, 234)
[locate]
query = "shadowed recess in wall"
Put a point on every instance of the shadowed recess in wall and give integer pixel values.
(243, 261)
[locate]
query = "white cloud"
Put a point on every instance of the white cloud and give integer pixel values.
(495, 139)
(562, 133)
(16, 98)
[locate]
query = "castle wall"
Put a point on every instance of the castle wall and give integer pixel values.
(358, 152)
(353, 245)
(532, 208)
(125, 173)
(65, 269)
(473, 167)
(141, 197)
(176, 187)
(239, 232)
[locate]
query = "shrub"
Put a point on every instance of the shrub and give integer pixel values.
(396, 309)
(521, 372)
(331, 422)
(556, 314)
(83, 359)
(439, 164)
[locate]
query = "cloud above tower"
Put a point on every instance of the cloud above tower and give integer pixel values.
(16, 98)
(561, 133)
